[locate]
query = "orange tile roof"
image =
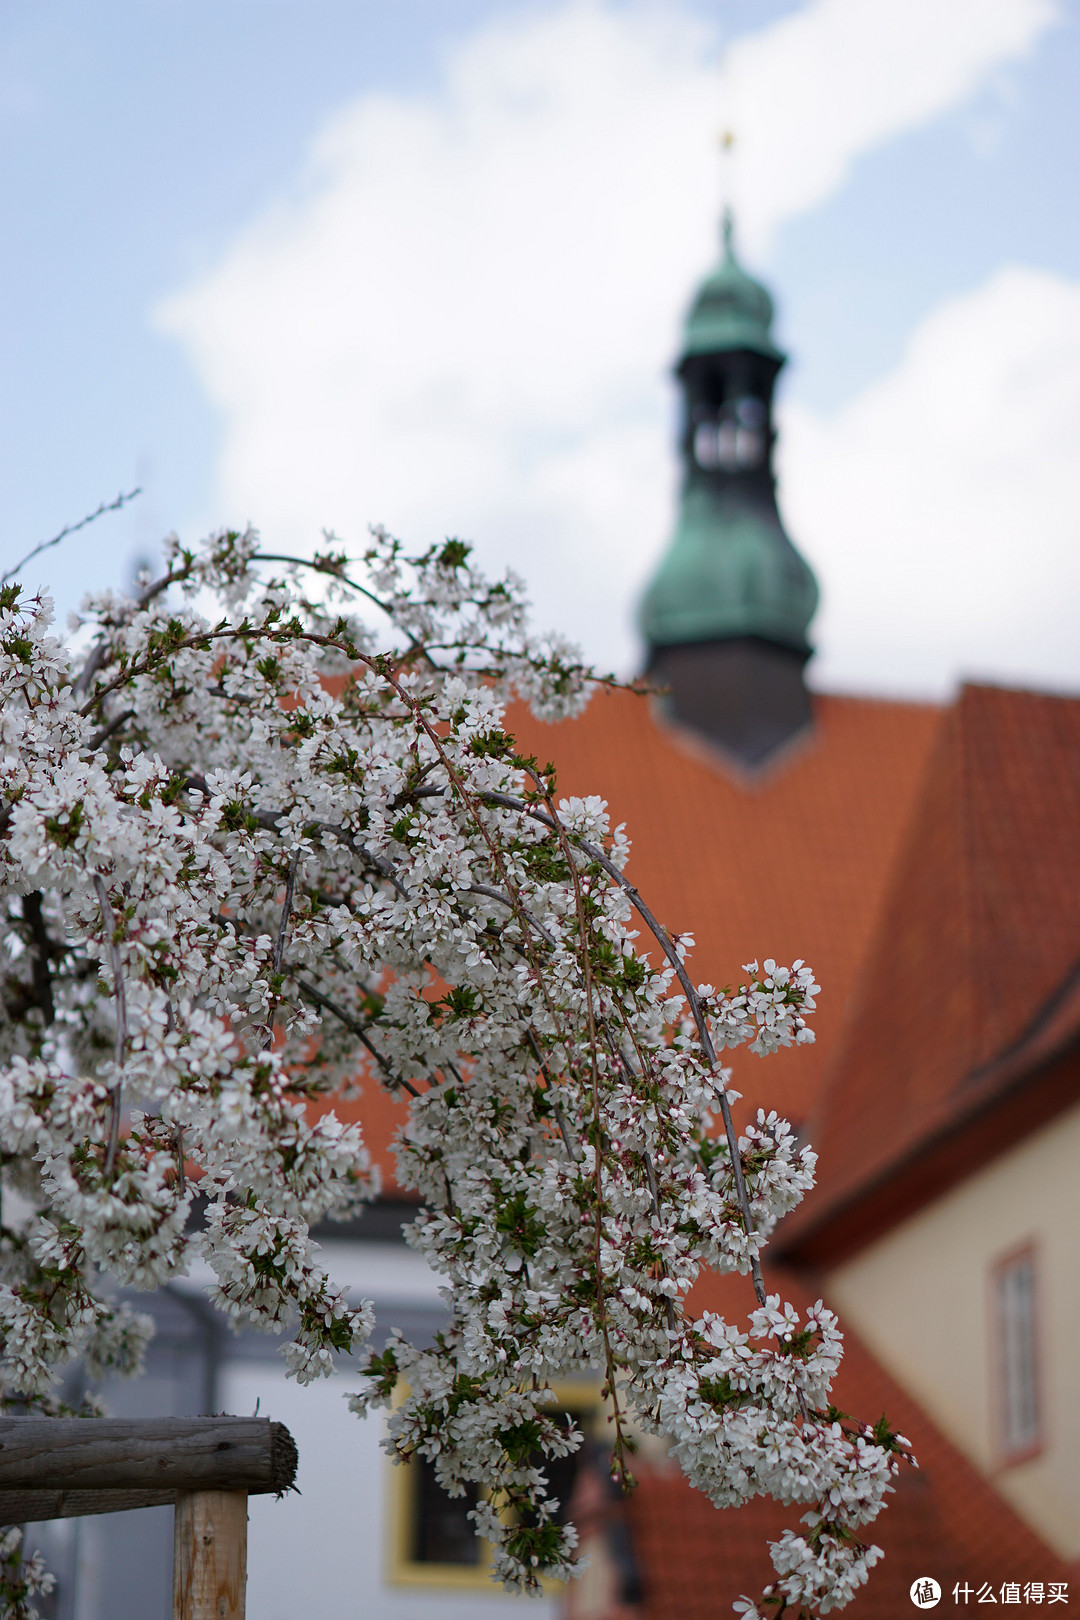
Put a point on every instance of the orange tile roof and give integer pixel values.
(973, 983)
(792, 864)
(944, 1519)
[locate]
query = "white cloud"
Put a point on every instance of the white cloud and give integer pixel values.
(838, 77)
(462, 320)
(942, 507)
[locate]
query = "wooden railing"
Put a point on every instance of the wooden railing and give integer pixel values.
(206, 1467)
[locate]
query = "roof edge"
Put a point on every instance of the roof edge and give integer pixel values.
(938, 1162)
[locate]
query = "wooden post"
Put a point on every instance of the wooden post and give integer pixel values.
(209, 1555)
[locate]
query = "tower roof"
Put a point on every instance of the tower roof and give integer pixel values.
(730, 570)
(731, 310)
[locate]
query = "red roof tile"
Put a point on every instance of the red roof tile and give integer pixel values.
(973, 982)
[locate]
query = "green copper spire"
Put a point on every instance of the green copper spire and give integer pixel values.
(730, 570)
(731, 310)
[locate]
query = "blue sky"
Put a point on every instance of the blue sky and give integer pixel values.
(186, 185)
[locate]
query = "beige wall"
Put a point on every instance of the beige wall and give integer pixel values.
(920, 1298)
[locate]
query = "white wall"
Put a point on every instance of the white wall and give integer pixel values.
(323, 1555)
(920, 1299)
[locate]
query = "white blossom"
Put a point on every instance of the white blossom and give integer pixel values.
(254, 859)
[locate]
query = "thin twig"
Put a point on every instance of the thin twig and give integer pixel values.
(355, 1028)
(279, 944)
(109, 921)
(657, 929)
(286, 908)
(619, 1057)
(156, 586)
(320, 566)
(471, 803)
(41, 951)
(425, 649)
(100, 650)
(73, 528)
(321, 999)
(504, 900)
(106, 732)
(530, 1036)
(381, 863)
(622, 1473)
(95, 658)
(654, 1192)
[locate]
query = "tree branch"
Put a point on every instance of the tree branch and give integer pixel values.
(41, 951)
(72, 528)
(504, 900)
(663, 938)
(106, 732)
(355, 1028)
(109, 922)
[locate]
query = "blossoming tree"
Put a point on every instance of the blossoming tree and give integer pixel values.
(256, 850)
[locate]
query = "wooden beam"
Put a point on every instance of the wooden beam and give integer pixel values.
(156, 1455)
(209, 1555)
(27, 1507)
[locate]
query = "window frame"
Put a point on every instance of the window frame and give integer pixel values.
(1011, 1451)
(579, 1395)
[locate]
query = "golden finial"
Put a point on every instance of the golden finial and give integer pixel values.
(728, 141)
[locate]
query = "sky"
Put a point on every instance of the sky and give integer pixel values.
(326, 263)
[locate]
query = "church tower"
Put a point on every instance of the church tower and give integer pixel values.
(727, 613)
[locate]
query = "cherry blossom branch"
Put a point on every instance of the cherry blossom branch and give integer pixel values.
(625, 1478)
(120, 1046)
(332, 569)
(72, 528)
(279, 943)
(660, 933)
(111, 729)
(551, 1259)
(286, 908)
(505, 900)
(356, 1028)
(530, 1036)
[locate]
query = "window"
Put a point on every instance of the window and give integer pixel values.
(441, 1530)
(434, 1542)
(732, 440)
(1016, 1350)
(706, 446)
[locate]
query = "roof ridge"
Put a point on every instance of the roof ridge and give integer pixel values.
(973, 968)
(1029, 1036)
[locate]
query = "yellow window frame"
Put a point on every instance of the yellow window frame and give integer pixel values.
(581, 1396)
